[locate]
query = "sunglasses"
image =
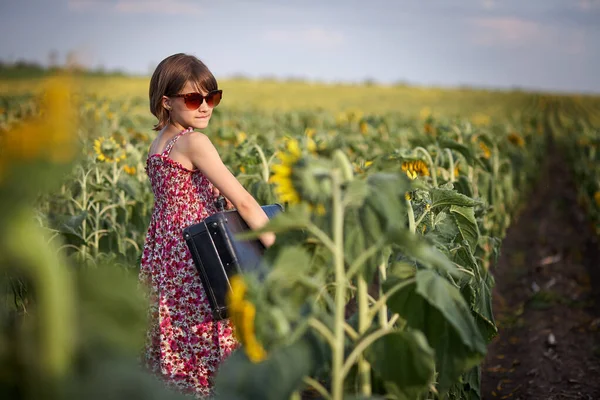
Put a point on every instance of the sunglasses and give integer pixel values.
(194, 100)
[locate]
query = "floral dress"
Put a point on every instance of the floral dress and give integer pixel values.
(184, 345)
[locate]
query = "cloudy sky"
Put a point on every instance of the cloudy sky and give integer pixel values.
(541, 44)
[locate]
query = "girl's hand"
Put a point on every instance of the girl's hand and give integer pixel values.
(217, 193)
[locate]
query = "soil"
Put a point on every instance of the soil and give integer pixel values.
(547, 298)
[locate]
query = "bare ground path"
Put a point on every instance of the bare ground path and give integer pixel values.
(547, 298)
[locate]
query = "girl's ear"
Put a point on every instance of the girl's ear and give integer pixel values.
(166, 103)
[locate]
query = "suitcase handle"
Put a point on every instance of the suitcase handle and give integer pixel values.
(220, 203)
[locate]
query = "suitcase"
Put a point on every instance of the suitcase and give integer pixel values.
(218, 255)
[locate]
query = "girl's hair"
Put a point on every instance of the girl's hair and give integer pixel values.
(170, 76)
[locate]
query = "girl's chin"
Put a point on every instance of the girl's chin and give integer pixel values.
(199, 123)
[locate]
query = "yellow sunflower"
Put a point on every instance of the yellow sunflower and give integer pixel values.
(240, 137)
(282, 176)
(310, 132)
(363, 127)
(242, 315)
(487, 153)
(415, 168)
(129, 169)
(516, 139)
(108, 150)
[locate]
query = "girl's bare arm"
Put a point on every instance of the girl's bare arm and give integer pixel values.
(205, 157)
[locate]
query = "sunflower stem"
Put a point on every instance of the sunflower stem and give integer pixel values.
(337, 385)
(451, 162)
(430, 162)
(265, 164)
(383, 318)
(364, 369)
(411, 216)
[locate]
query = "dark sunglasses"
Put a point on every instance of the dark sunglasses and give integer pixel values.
(194, 100)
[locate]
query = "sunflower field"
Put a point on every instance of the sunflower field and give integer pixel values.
(378, 285)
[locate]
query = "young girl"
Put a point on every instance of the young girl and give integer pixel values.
(184, 345)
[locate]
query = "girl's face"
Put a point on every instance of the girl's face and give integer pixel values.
(184, 110)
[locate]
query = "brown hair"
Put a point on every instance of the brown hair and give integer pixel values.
(170, 76)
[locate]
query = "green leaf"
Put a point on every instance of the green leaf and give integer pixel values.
(403, 359)
(290, 282)
(444, 233)
(465, 259)
(467, 224)
(464, 186)
(69, 226)
(437, 308)
(478, 292)
(418, 248)
(129, 186)
(275, 378)
(449, 197)
(356, 192)
(460, 148)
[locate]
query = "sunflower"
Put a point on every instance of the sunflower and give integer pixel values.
(242, 314)
(240, 137)
(362, 167)
(310, 132)
(516, 139)
(415, 168)
(319, 209)
(129, 169)
(363, 127)
(487, 153)
(311, 145)
(108, 150)
(429, 129)
(282, 176)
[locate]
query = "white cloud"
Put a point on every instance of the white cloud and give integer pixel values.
(488, 4)
(316, 37)
(172, 7)
(511, 32)
(505, 31)
(586, 5)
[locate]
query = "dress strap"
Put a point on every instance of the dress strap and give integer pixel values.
(172, 141)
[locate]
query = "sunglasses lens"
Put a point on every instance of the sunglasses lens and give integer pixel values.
(193, 101)
(213, 99)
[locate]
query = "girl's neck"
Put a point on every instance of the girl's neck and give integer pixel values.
(173, 129)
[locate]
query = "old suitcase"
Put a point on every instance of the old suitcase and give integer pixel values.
(218, 255)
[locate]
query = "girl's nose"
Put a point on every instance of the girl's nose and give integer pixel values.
(204, 106)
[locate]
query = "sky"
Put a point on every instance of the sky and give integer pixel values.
(551, 45)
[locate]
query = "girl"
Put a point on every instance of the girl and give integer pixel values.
(184, 345)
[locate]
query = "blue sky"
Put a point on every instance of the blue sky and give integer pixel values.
(539, 44)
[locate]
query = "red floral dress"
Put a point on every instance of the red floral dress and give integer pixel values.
(184, 345)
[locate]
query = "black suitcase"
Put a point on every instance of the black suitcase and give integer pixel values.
(218, 255)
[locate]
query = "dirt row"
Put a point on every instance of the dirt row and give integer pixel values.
(547, 298)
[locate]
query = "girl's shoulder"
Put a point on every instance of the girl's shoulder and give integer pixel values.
(194, 139)
(195, 144)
